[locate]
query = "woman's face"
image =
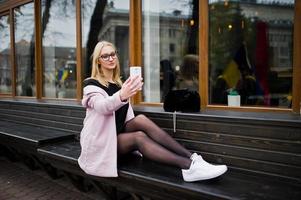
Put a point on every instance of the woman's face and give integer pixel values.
(108, 58)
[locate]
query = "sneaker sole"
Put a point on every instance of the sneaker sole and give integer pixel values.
(208, 177)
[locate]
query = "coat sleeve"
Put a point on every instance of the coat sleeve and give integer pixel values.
(101, 102)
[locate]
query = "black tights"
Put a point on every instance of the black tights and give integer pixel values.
(153, 142)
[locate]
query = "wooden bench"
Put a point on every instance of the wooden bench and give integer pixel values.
(21, 141)
(25, 126)
(153, 180)
(262, 152)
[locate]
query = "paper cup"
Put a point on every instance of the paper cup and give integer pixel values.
(234, 100)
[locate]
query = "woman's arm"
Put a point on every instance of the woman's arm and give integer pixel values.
(97, 99)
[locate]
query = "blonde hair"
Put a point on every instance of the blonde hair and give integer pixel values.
(97, 72)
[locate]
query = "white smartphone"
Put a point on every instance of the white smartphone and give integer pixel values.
(135, 70)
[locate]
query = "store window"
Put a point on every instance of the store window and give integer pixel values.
(250, 52)
(170, 47)
(105, 20)
(5, 56)
(24, 50)
(59, 48)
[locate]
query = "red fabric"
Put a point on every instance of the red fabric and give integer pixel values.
(261, 61)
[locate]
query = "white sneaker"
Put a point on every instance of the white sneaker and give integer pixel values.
(196, 157)
(202, 170)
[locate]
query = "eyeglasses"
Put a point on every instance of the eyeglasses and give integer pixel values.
(106, 57)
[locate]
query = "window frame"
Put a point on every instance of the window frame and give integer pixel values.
(135, 53)
(7, 13)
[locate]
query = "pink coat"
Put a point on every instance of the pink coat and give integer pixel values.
(98, 137)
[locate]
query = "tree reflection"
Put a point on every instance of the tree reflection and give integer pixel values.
(62, 10)
(193, 34)
(96, 24)
(24, 36)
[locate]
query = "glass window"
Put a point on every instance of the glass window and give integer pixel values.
(59, 48)
(170, 47)
(5, 56)
(250, 52)
(24, 49)
(108, 22)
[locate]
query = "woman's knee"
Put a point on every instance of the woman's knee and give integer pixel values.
(140, 137)
(141, 117)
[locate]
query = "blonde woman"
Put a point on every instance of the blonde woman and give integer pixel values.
(111, 129)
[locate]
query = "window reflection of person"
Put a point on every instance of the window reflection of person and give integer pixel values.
(111, 129)
(236, 75)
(189, 72)
(167, 77)
(246, 87)
(220, 89)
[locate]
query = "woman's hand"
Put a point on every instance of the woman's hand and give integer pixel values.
(130, 87)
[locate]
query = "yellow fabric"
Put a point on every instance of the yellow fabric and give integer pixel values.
(231, 74)
(65, 75)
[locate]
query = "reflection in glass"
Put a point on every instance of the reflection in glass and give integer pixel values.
(250, 52)
(59, 48)
(170, 47)
(24, 49)
(5, 64)
(102, 20)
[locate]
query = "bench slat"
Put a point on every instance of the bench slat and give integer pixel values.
(31, 134)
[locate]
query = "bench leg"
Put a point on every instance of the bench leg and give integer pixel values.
(29, 162)
(133, 196)
(9, 154)
(15, 155)
(48, 168)
(136, 197)
(78, 181)
(51, 171)
(108, 192)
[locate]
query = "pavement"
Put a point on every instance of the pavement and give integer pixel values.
(17, 182)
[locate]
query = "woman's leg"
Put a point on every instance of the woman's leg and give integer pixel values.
(192, 170)
(138, 140)
(142, 123)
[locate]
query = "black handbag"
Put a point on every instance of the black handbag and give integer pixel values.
(183, 100)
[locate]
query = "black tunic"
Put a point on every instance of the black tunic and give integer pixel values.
(112, 88)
